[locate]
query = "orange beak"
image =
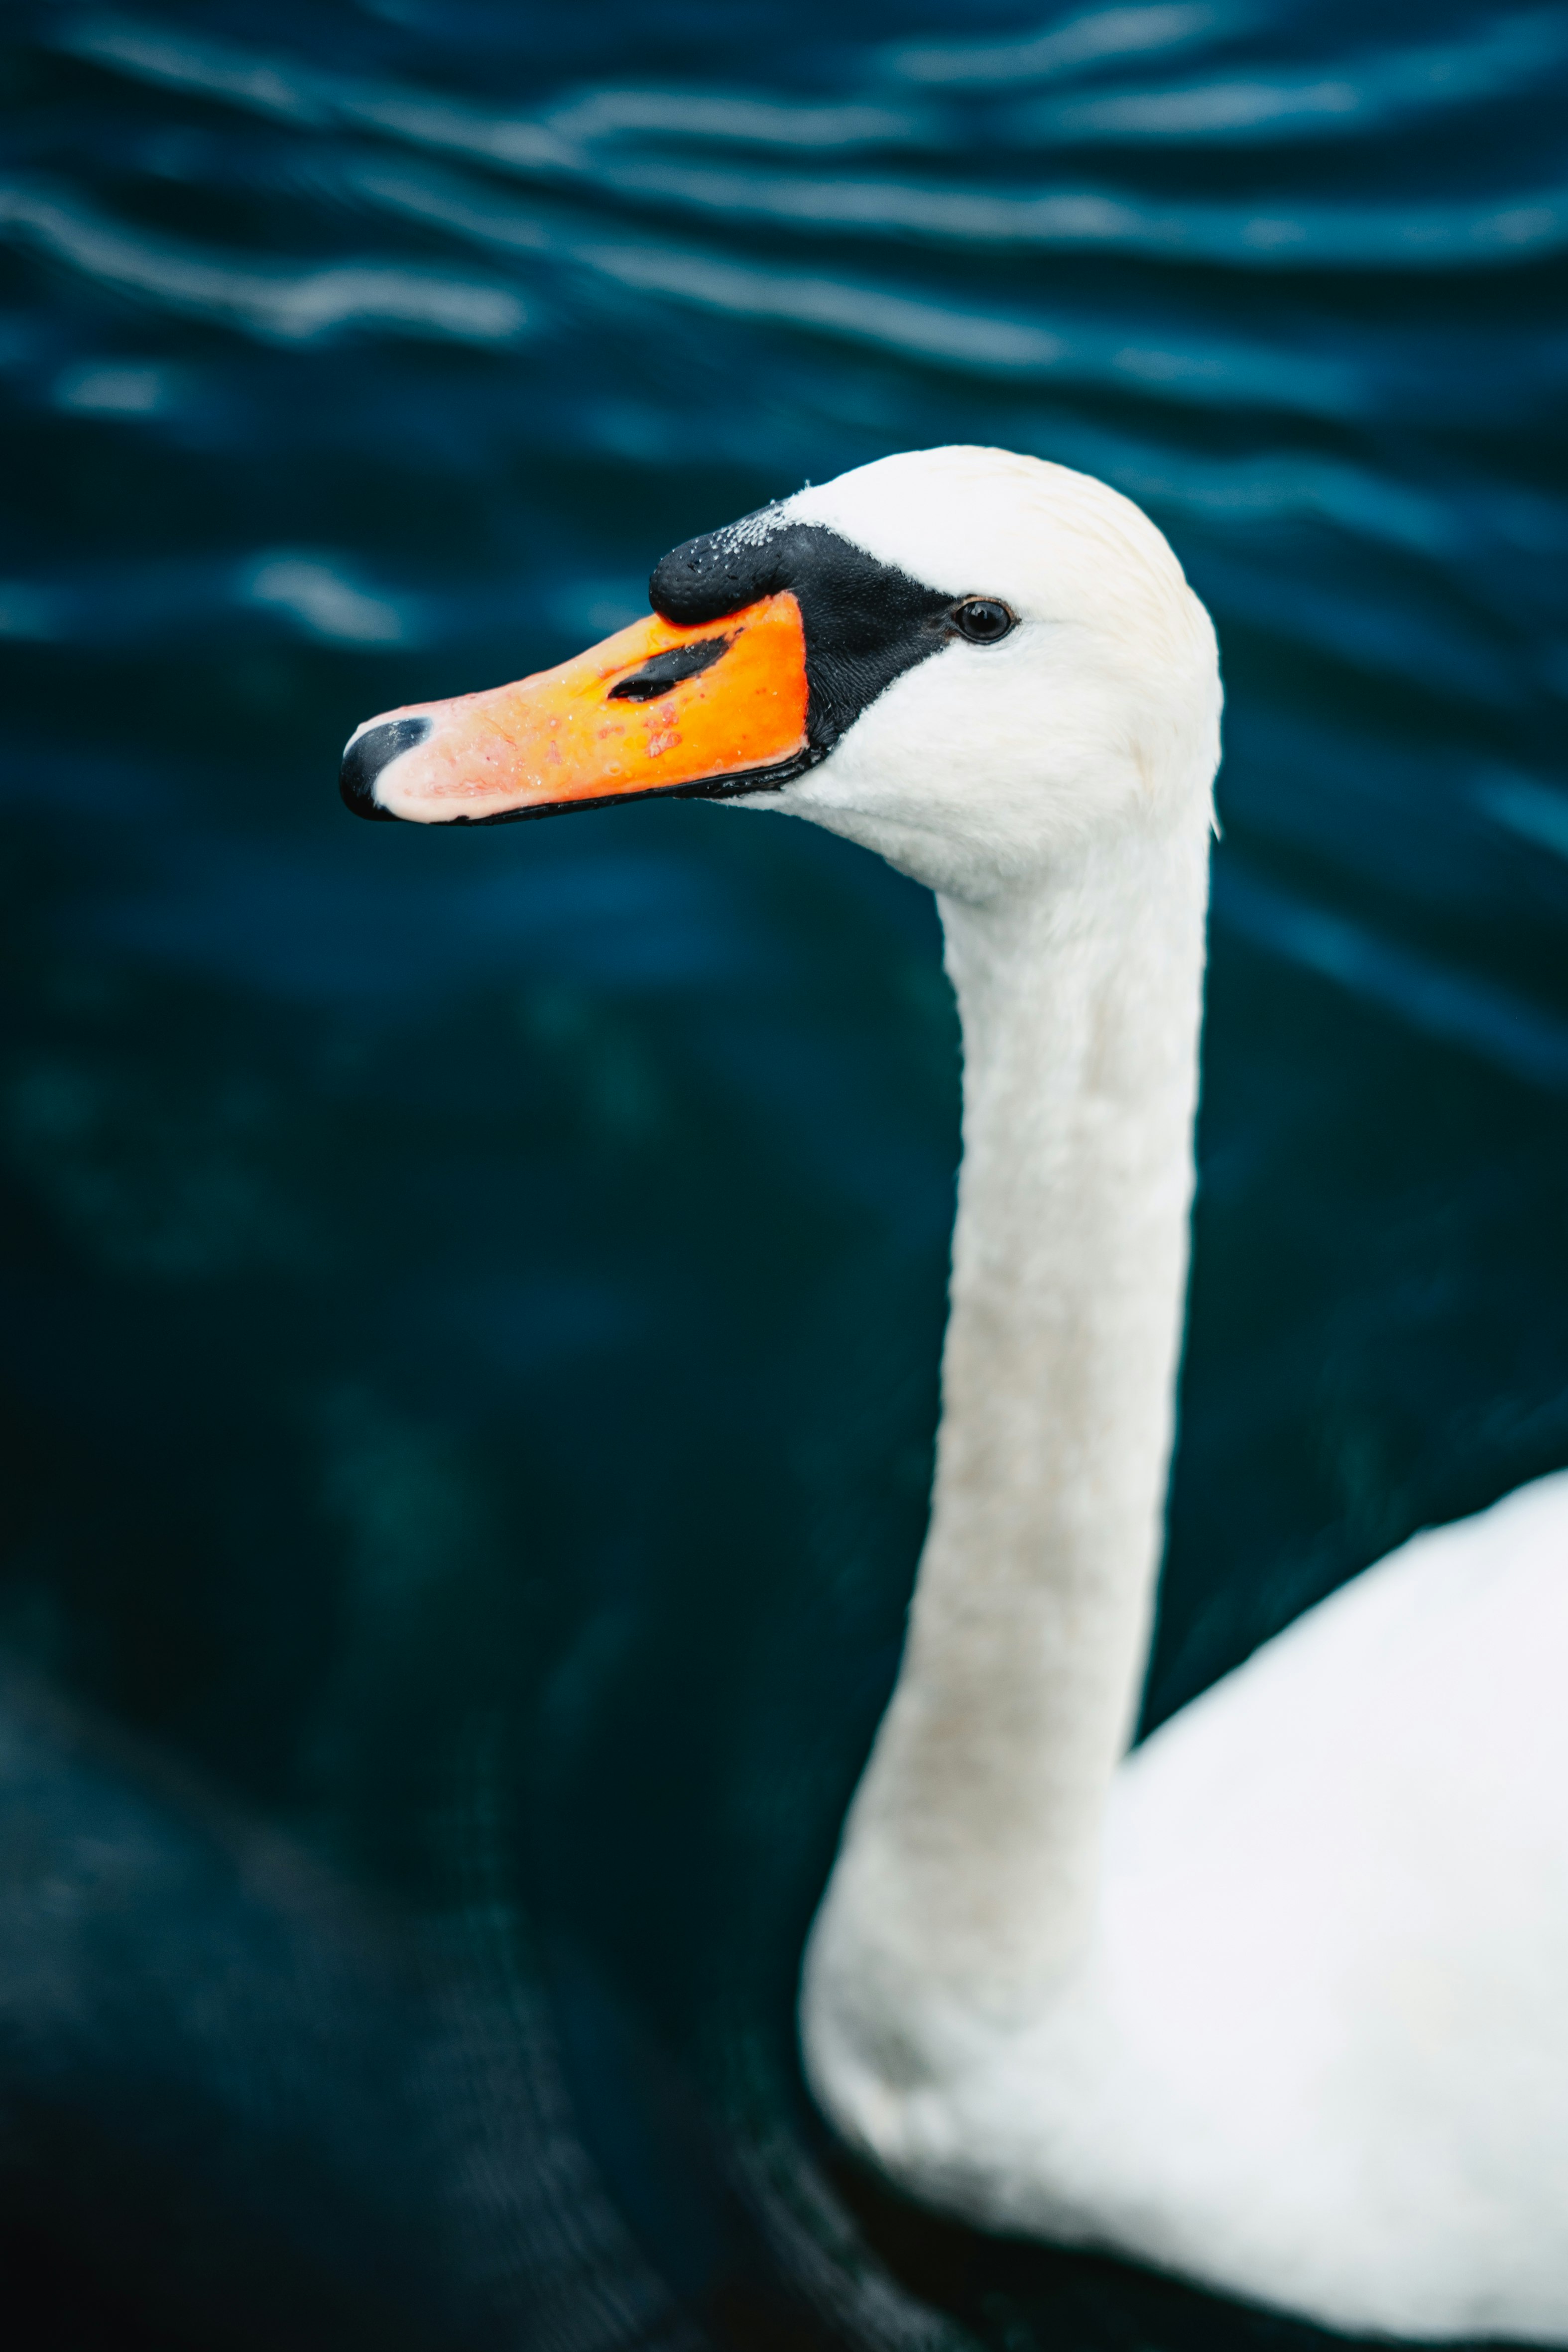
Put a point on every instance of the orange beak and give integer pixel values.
(656, 708)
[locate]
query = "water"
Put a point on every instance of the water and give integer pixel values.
(472, 1301)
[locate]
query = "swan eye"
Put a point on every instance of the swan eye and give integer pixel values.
(983, 619)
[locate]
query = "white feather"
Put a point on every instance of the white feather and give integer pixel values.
(1281, 2001)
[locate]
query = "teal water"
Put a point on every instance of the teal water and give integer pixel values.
(472, 1301)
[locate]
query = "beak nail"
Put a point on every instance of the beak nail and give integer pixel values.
(365, 757)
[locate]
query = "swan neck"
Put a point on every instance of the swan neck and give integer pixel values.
(969, 1869)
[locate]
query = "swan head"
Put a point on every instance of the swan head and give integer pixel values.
(971, 662)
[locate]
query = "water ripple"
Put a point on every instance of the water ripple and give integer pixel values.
(733, 120)
(276, 299)
(285, 90)
(1455, 1007)
(1246, 236)
(1211, 370)
(325, 603)
(1537, 814)
(1383, 92)
(276, 87)
(1077, 47)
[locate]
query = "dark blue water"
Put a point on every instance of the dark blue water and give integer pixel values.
(472, 1301)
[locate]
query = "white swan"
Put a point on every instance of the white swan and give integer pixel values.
(1280, 2001)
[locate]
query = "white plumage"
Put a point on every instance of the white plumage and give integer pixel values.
(1281, 2001)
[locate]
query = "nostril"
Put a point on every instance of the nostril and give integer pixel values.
(368, 754)
(669, 669)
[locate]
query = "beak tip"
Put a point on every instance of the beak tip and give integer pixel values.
(369, 751)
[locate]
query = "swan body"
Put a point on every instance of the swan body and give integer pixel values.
(1278, 2000)
(1314, 2052)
